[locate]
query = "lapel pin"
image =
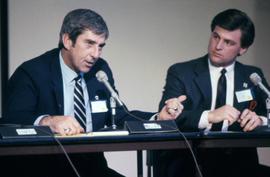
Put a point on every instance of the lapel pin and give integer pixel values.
(245, 85)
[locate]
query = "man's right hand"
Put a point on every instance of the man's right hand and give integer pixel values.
(64, 125)
(172, 108)
(225, 112)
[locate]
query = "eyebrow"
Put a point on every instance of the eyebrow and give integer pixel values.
(90, 41)
(94, 42)
(214, 32)
(225, 39)
(102, 44)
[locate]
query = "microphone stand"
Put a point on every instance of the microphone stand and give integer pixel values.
(113, 127)
(113, 112)
(267, 101)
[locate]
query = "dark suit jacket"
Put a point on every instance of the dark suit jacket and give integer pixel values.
(36, 88)
(192, 79)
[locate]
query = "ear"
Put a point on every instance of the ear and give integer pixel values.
(242, 51)
(66, 41)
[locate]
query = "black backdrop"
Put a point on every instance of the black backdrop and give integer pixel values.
(4, 49)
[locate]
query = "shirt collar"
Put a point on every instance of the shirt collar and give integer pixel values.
(68, 73)
(215, 69)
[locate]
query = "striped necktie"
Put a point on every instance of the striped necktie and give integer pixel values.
(79, 104)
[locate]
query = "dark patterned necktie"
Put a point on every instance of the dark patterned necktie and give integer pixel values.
(221, 97)
(79, 105)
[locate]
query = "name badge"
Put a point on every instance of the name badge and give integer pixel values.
(99, 106)
(244, 95)
(26, 131)
(151, 126)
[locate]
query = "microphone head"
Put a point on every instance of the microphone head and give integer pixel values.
(101, 76)
(255, 78)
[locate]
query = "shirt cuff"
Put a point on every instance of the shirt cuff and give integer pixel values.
(153, 117)
(264, 120)
(204, 123)
(36, 123)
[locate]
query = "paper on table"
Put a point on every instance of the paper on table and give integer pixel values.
(95, 134)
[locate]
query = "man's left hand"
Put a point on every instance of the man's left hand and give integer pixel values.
(249, 120)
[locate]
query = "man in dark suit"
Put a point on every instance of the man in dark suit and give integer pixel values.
(206, 85)
(59, 89)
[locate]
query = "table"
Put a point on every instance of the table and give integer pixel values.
(138, 142)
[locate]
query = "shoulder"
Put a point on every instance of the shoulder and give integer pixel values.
(247, 69)
(103, 65)
(38, 68)
(41, 61)
(188, 66)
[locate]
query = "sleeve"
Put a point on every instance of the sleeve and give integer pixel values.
(178, 83)
(21, 100)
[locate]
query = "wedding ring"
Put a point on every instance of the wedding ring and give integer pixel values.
(175, 109)
(67, 129)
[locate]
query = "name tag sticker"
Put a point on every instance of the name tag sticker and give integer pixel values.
(151, 126)
(244, 95)
(26, 131)
(99, 106)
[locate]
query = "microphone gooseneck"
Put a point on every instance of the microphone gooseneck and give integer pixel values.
(102, 77)
(257, 80)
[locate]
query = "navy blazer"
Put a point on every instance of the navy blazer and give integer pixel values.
(36, 88)
(192, 79)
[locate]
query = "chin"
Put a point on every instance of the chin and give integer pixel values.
(216, 62)
(85, 70)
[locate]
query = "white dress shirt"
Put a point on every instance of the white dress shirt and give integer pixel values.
(214, 76)
(215, 73)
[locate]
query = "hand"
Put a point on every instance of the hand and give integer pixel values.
(225, 112)
(172, 109)
(249, 120)
(64, 125)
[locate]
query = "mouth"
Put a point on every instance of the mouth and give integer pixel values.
(89, 63)
(215, 54)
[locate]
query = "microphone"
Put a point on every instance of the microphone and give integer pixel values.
(257, 80)
(102, 77)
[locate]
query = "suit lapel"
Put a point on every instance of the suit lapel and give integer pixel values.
(203, 82)
(57, 83)
(240, 79)
(89, 80)
(95, 92)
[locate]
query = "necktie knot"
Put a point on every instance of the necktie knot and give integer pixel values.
(223, 71)
(78, 78)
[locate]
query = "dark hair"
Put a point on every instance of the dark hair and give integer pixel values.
(79, 20)
(233, 19)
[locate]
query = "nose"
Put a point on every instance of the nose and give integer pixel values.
(95, 52)
(219, 45)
